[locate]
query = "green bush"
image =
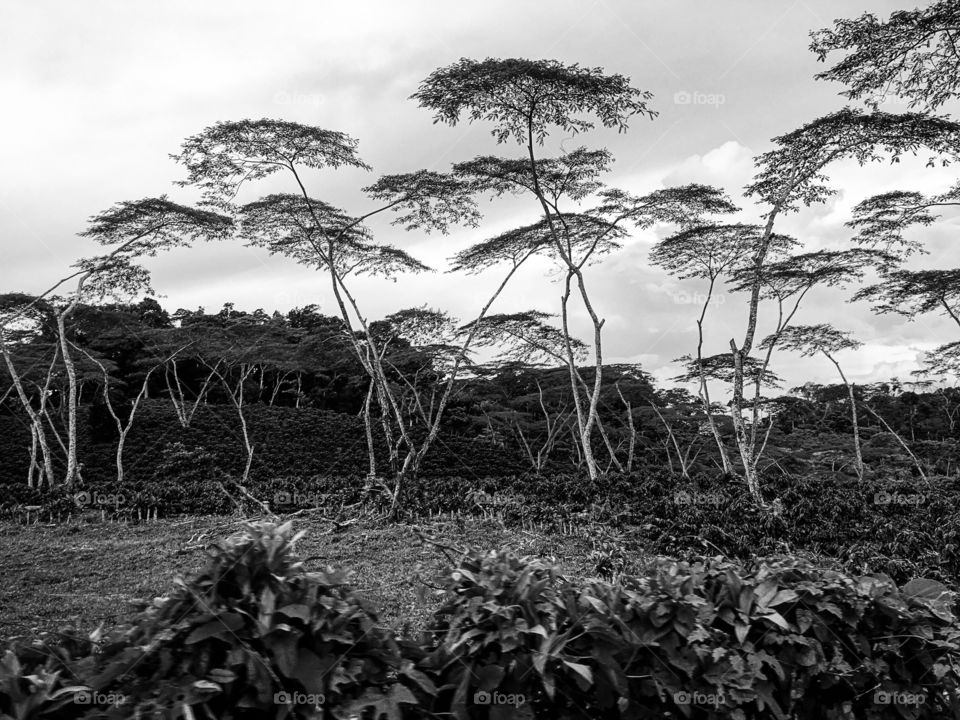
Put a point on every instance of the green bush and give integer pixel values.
(256, 635)
(776, 639)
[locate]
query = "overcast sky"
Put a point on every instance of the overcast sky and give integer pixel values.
(96, 95)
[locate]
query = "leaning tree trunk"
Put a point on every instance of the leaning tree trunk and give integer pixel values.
(853, 417)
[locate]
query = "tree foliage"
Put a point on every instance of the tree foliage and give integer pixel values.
(528, 96)
(912, 55)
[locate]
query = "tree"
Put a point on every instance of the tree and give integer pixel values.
(529, 401)
(787, 281)
(709, 252)
(140, 229)
(911, 293)
(793, 175)
(223, 157)
(524, 100)
(827, 340)
(912, 55)
(721, 367)
(124, 424)
(18, 342)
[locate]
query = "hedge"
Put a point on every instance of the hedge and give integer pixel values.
(287, 442)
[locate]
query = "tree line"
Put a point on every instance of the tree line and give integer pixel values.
(415, 361)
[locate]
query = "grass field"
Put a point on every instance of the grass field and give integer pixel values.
(82, 573)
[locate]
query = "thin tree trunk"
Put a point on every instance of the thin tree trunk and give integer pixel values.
(236, 398)
(71, 475)
(681, 458)
(633, 430)
(853, 417)
(36, 417)
(368, 426)
(903, 444)
(34, 468)
(582, 425)
(373, 363)
(749, 462)
(123, 429)
(704, 387)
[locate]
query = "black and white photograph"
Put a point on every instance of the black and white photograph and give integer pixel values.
(421, 360)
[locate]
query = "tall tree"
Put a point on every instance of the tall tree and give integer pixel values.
(138, 229)
(913, 56)
(525, 100)
(711, 252)
(792, 175)
(787, 281)
(223, 157)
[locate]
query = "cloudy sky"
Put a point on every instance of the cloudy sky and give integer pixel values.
(98, 94)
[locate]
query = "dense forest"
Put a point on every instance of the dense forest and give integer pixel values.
(138, 363)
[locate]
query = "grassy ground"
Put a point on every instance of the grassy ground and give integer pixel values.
(80, 574)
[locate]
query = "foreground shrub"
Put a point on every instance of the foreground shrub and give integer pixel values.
(256, 635)
(777, 639)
